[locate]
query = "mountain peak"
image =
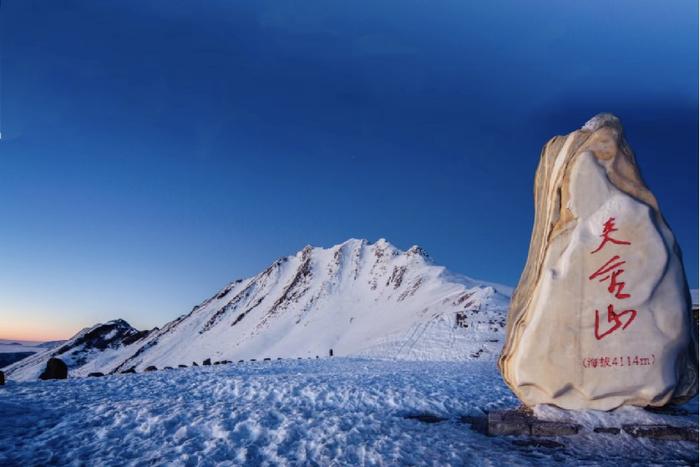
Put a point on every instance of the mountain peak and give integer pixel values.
(119, 323)
(382, 242)
(417, 250)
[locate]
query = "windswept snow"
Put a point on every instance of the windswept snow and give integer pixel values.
(291, 412)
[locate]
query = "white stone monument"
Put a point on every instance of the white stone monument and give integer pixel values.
(601, 316)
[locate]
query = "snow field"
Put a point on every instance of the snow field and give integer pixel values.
(292, 412)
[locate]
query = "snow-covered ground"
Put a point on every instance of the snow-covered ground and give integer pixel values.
(294, 412)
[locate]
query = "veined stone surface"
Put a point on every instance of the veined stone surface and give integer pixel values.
(601, 315)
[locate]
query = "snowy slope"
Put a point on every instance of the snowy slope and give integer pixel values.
(356, 298)
(88, 351)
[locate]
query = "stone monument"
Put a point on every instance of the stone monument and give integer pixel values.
(601, 315)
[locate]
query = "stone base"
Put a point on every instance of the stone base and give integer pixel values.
(522, 422)
(662, 432)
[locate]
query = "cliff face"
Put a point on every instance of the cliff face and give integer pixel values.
(603, 286)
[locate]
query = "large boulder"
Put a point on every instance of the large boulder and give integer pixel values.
(55, 369)
(600, 317)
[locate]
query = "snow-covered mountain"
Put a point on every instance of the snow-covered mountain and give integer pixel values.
(356, 298)
(89, 350)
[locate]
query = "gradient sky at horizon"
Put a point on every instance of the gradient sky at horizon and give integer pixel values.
(153, 151)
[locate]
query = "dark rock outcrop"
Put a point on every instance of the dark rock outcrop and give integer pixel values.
(55, 369)
(96, 374)
(207, 362)
(102, 336)
(151, 368)
(2, 378)
(182, 366)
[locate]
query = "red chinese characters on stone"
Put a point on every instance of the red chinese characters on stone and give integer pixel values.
(616, 319)
(611, 271)
(608, 228)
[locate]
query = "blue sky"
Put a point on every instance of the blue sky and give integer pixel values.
(153, 151)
